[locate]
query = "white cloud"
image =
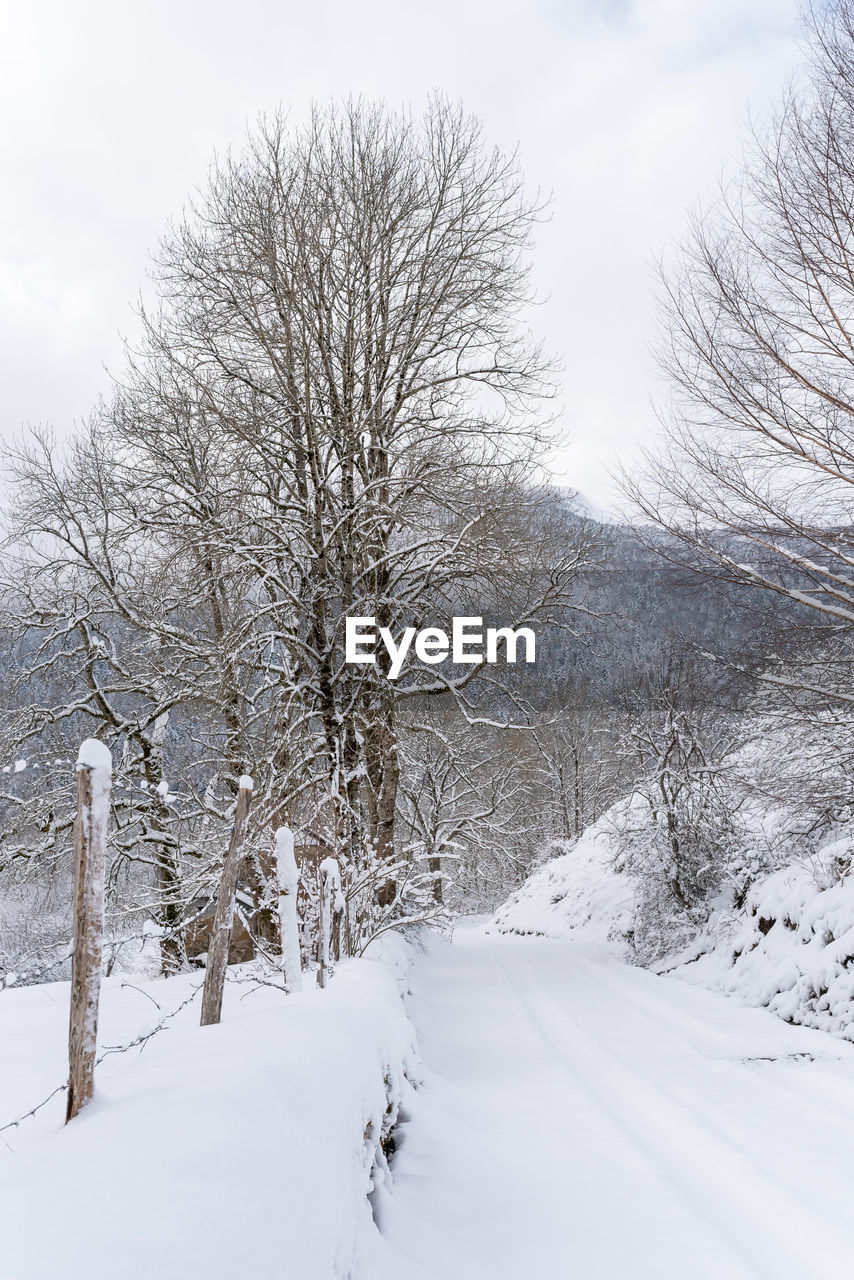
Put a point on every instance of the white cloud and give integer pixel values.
(109, 116)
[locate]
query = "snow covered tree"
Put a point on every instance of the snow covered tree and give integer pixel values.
(679, 833)
(118, 632)
(343, 311)
(757, 475)
(344, 304)
(336, 410)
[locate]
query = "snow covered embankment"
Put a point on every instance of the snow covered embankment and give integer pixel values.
(790, 947)
(248, 1148)
(576, 892)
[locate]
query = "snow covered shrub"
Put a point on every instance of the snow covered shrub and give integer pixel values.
(679, 857)
(581, 890)
(678, 835)
(790, 947)
(35, 925)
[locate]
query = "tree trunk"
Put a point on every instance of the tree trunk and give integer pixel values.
(330, 892)
(435, 865)
(383, 767)
(224, 916)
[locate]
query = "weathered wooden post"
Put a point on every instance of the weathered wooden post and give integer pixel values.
(224, 916)
(330, 892)
(323, 930)
(94, 779)
(339, 908)
(288, 880)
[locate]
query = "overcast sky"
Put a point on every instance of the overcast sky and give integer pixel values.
(626, 110)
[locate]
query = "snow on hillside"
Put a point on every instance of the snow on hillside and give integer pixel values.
(247, 1148)
(579, 891)
(789, 946)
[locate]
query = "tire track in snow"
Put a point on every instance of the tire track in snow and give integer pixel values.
(702, 1165)
(719, 1043)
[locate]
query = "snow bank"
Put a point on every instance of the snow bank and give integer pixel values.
(791, 948)
(247, 1148)
(578, 891)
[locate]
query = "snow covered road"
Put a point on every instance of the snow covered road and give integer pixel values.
(582, 1118)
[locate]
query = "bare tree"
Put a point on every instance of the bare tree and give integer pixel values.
(337, 410)
(113, 630)
(757, 474)
(344, 303)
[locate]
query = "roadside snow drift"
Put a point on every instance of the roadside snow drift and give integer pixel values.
(247, 1148)
(790, 946)
(578, 892)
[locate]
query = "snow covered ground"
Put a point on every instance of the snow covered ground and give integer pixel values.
(577, 892)
(581, 1118)
(577, 1119)
(789, 946)
(239, 1149)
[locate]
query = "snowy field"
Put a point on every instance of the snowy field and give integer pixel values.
(239, 1149)
(574, 1117)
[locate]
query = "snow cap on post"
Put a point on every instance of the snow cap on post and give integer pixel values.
(95, 755)
(245, 783)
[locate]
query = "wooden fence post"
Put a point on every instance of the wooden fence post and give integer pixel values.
(288, 881)
(330, 893)
(94, 778)
(339, 907)
(224, 916)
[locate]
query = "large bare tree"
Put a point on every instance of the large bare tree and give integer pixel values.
(336, 410)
